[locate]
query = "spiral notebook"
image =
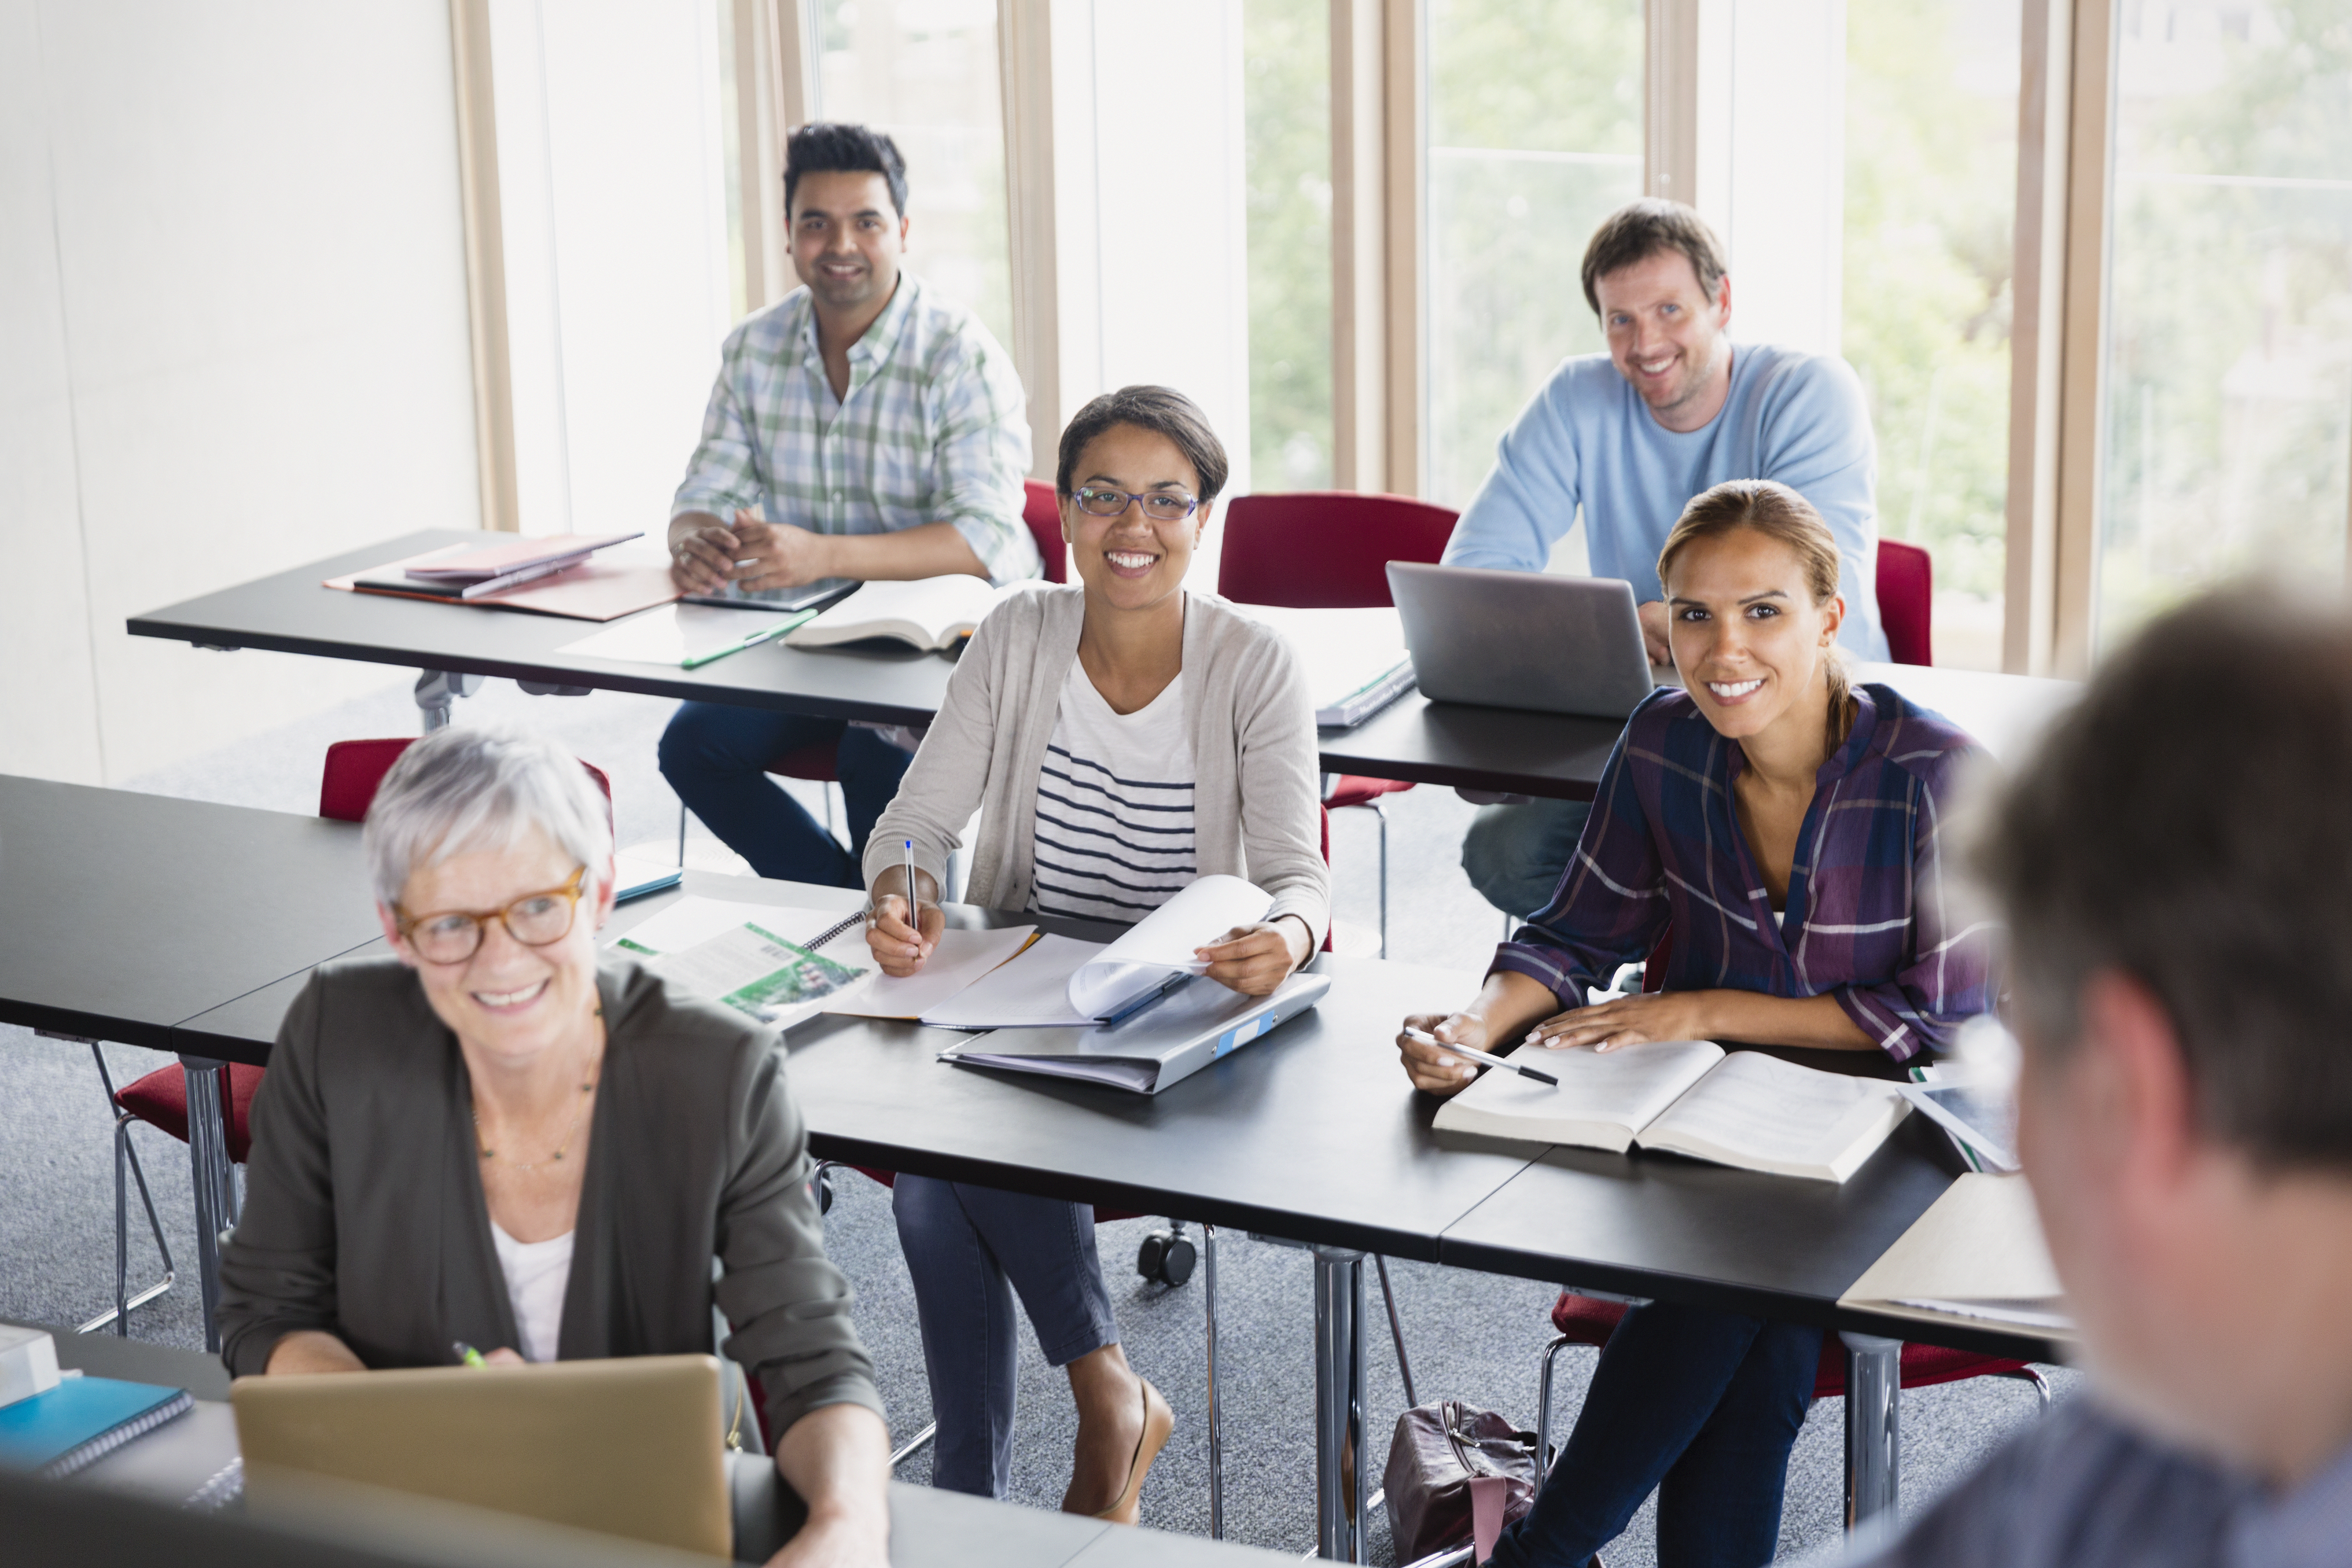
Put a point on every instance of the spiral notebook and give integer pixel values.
(82, 1420)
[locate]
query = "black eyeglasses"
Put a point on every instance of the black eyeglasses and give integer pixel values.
(1159, 506)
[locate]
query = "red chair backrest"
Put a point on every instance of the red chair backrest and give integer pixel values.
(1906, 598)
(1042, 511)
(1325, 550)
(355, 771)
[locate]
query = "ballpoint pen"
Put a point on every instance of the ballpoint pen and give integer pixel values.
(914, 918)
(1426, 1039)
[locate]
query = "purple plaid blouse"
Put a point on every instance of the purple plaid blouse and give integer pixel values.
(1866, 918)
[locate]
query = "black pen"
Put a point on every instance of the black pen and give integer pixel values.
(1425, 1037)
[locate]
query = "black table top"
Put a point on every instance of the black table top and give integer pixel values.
(1506, 749)
(293, 612)
(1312, 1134)
(123, 914)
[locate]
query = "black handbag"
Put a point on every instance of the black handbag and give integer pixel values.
(1438, 1450)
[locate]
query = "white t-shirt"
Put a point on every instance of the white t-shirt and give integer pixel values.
(537, 1273)
(1114, 826)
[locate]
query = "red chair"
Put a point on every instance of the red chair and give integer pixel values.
(1329, 550)
(1906, 601)
(1042, 511)
(354, 770)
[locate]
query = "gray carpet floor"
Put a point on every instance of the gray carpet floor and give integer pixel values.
(1469, 1336)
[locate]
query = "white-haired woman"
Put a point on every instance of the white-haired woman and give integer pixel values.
(495, 1138)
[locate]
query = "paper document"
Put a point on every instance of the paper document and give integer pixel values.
(1976, 1253)
(1032, 990)
(1162, 943)
(1355, 659)
(684, 636)
(756, 972)
(962, 959)
(695, 919)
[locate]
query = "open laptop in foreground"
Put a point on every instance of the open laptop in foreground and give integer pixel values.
(1525, 639)
(630, 1446)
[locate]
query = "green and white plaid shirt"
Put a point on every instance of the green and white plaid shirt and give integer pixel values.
(933, 429)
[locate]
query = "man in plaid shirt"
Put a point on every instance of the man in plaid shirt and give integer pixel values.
(862, 428)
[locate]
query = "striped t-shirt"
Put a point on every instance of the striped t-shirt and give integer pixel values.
(1114, 805)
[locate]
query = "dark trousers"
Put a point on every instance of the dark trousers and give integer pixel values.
(970, 1250)
(1700, 1406)
(714, 757)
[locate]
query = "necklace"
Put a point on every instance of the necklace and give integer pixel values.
(561, 1150)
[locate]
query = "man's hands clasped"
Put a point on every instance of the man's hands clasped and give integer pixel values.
(750, 553)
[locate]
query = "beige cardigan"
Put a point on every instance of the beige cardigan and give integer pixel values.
(1256, 811)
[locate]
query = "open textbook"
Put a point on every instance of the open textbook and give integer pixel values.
(1976, 1255)
(927, 612)
(1062, 981)
(1688, 1097)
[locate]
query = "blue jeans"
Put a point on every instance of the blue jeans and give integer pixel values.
(1515, 854)
(715, 756)
(1701, 1407)
(968, 1249)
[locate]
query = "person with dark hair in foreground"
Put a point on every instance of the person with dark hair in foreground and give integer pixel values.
(2176, 868)
(1626, 437)
(1118, 737)
(862, 428)
(1781, 827)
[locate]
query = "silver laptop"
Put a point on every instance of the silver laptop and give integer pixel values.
(1523, 639)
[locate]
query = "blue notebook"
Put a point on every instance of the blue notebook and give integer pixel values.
(57, 1433)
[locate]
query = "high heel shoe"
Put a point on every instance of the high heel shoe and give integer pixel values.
(1158, 1421)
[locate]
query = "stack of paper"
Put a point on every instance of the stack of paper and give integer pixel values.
(1355, 660)
(737, 953)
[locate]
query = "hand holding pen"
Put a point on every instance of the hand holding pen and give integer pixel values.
(900, 945)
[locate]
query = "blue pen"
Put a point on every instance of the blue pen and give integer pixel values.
(914, 921)
(1151, 998)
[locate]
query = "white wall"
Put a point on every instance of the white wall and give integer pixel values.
(614, 206)
(233, 338)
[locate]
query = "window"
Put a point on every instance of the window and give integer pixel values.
(1930, 215)
(926, 72)
(1535, 135)
(2227, 398)
(1286, 108)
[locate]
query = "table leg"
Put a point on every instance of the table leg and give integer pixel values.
(1339, 1377)
(208, 1168)
(1874, 1394)
(1216, 1412)
(438, 692)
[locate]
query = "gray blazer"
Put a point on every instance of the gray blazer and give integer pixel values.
(1256, 794)
(364, 1215)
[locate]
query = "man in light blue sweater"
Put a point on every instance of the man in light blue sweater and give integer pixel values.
(1630, 436)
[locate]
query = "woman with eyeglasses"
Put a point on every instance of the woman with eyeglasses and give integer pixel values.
(1118, 737)
(495, 1138)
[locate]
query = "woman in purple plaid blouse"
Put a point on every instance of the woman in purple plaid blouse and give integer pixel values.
(1709, 798)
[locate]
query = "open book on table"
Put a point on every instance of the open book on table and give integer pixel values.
(1061, 981)
(927, 612)
(1688, 1097)
(1976, 1258)
(745, 956)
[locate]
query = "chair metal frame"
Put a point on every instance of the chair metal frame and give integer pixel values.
(125, 1302)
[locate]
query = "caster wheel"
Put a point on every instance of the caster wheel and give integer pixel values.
(1167, 1257)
